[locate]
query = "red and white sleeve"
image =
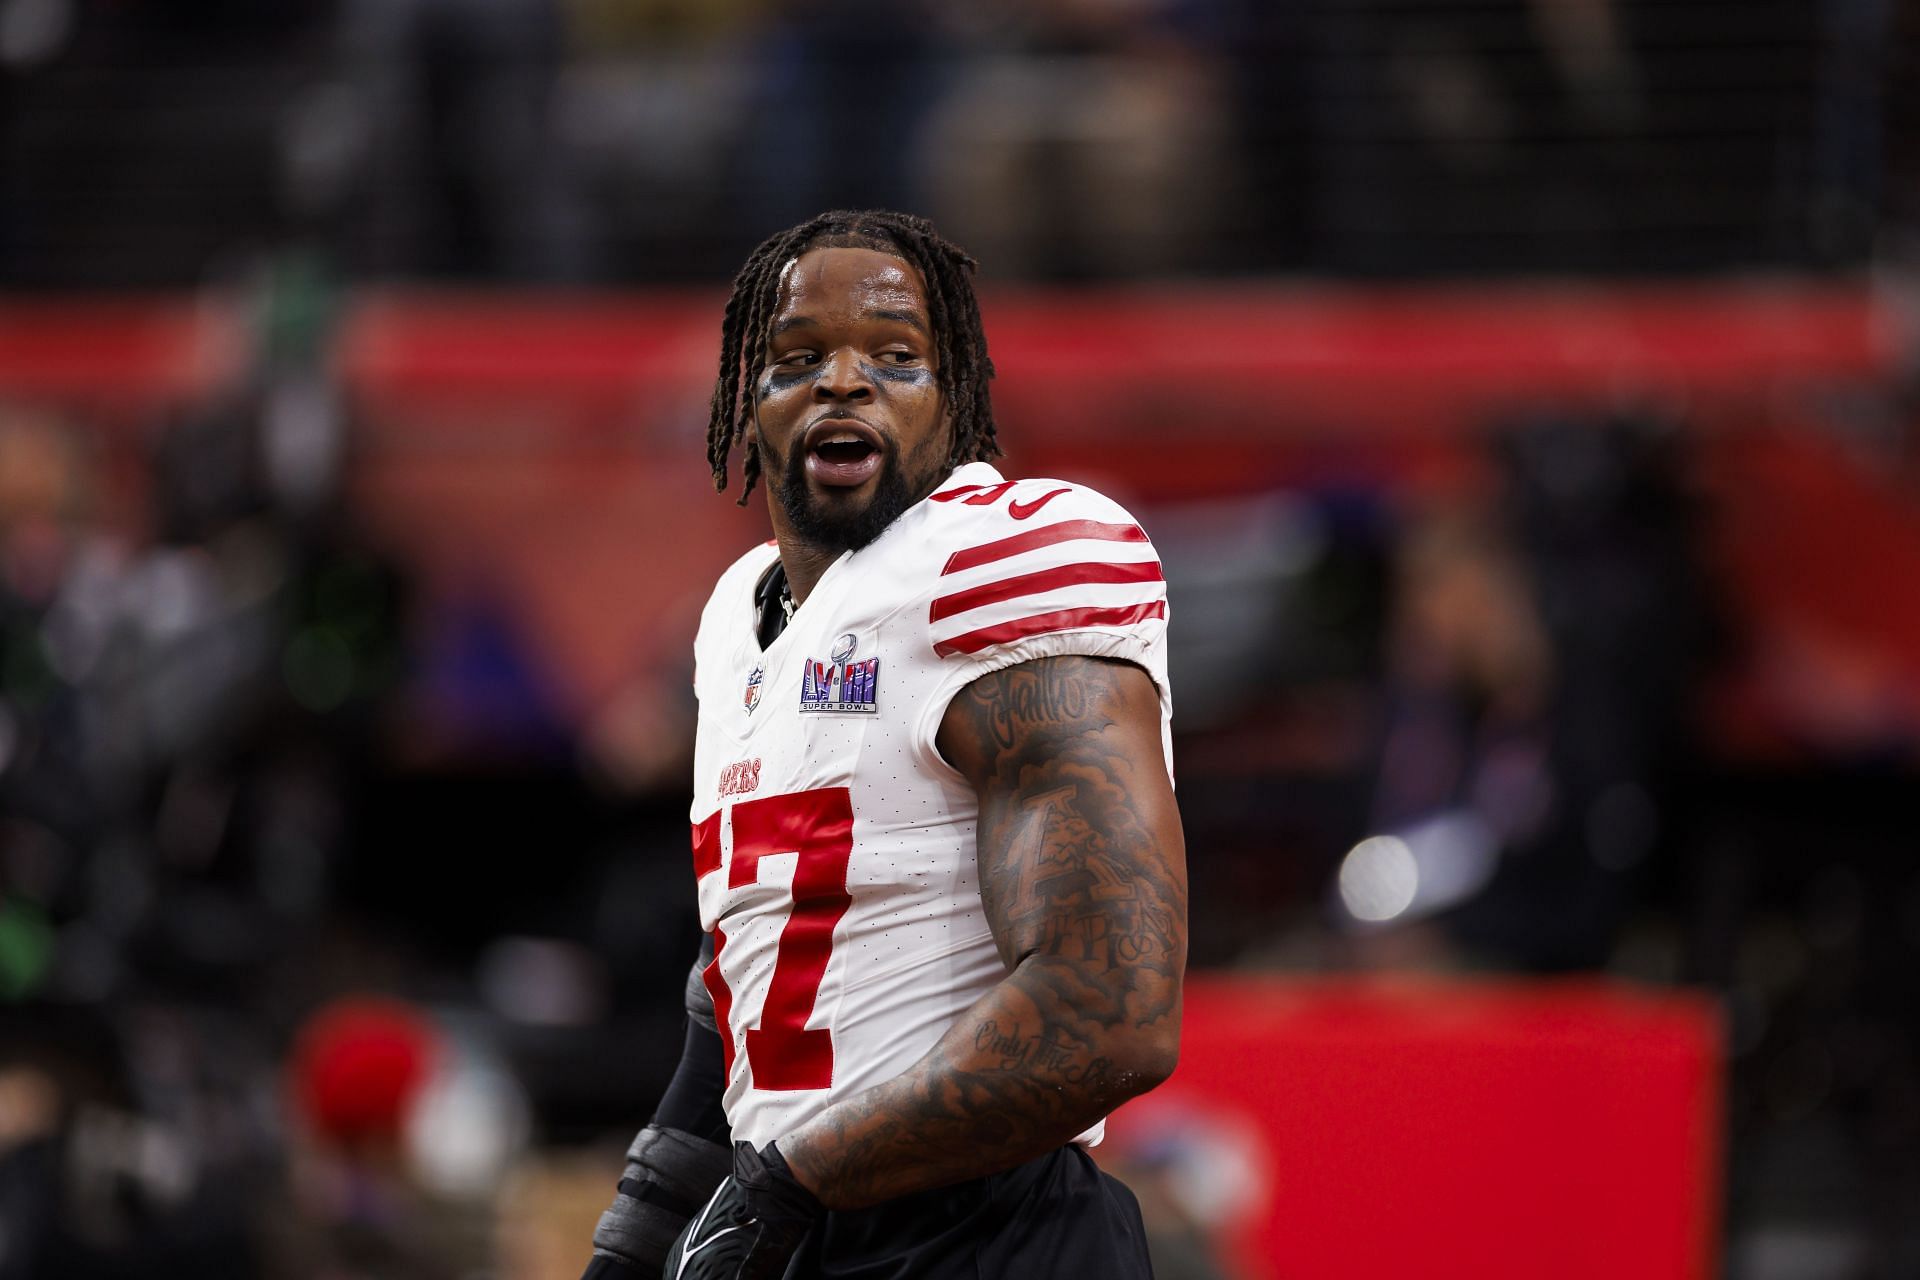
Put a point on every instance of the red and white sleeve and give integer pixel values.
(1053, 569)
(1038, 569)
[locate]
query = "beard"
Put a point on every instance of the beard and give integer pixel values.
(822, 526)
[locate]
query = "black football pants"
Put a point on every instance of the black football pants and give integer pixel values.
(1058, 1215)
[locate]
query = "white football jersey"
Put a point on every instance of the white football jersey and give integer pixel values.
(834, 847)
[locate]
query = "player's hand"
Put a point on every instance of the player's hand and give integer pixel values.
(751, 1226)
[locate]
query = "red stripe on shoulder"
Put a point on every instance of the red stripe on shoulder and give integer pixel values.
(1045, 535)
(1043, 623)
(1033, 584)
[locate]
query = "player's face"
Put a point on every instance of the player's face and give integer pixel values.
(851, 419)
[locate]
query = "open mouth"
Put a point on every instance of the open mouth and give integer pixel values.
(839, 451)
(842, 454)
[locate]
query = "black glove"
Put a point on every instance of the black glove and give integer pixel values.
(751, 1226)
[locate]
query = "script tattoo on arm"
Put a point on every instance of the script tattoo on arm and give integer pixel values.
(1083, 878)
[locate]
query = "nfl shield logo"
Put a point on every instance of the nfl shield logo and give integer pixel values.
(754, 679)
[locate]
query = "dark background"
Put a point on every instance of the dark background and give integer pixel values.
(1520, 393)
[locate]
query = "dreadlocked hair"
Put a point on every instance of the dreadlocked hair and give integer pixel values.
(963, 369)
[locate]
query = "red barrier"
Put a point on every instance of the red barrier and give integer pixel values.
(1214, 358)
(119, 357)
(1484, 1131)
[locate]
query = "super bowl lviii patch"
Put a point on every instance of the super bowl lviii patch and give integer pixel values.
(840, 686)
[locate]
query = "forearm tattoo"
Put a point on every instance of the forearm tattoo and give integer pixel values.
(1083, 878)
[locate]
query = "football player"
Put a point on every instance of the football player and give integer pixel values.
(940, 867)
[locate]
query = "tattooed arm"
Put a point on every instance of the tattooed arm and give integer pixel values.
(1083, 876)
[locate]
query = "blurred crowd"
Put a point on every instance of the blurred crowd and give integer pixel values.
(577, 141)
(303, 896)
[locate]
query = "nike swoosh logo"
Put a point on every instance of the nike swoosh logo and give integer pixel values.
(693, 1230)
(687, 1257)
(1022, 510)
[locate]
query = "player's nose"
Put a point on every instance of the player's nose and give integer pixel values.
(844, 378)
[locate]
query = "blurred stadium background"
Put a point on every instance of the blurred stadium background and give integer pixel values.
(1522, 394)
